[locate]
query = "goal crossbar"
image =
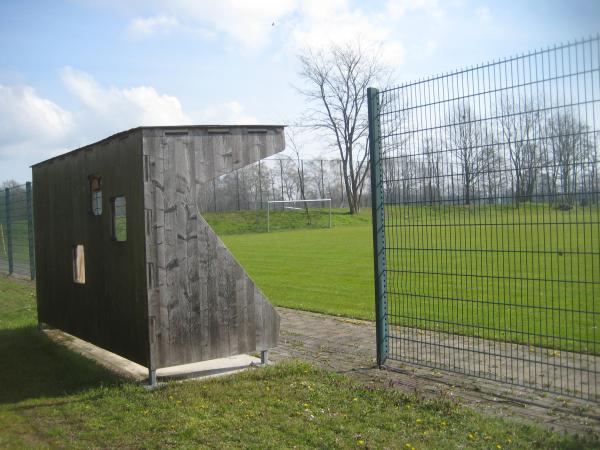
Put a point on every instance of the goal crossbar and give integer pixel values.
(311, 200)
(308, 200)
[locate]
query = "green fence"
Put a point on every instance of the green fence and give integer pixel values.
(16, 231)
(486, 214)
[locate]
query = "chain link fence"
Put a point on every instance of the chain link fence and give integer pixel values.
(16, 231)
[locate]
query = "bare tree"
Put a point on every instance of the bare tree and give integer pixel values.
(336, 85)
(290, 180)
(295, 148)
(473, 153)
(520, 131)
(568, 148)
(9, 184)
(432, 171)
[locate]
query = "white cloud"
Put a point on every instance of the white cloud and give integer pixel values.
(33, 128)
(115, 109)
(161, 25)
(248, 23)
(28, 120)
(431, 46)
(335, 22)
(483, 13)
(251, 24)
(400, 8)
(229, 113)
(392, 53)
(143, 27)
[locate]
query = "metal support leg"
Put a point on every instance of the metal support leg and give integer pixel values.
(151, 378)
(264, 357)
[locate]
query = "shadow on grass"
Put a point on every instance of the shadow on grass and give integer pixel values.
(32, 366)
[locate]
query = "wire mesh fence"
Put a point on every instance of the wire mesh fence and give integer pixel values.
(250, 188)
(16, 231)
(490, 222)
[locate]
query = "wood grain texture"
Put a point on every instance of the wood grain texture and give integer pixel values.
(172, 293)
(110, 309)
(204, 305)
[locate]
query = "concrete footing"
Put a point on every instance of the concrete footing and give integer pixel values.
(134, 371)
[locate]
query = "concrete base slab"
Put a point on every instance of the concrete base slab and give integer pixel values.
(208, 369)
(131, 370)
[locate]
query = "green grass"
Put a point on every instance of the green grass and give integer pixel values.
(120, 231)
(329, 271)
(53, 398)
(239, 222)
(524, 277)
(20, 242)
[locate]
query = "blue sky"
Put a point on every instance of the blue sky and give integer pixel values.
(73, 72)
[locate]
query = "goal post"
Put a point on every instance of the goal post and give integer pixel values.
(297, 204)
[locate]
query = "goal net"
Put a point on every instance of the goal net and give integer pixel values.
(290, 214)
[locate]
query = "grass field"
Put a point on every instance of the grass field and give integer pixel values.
(20, 240)
(238, 222)
(532, 278)
(53, 398)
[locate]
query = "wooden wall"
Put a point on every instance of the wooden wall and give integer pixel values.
(172, 293)
(110, 309)
(201, 303)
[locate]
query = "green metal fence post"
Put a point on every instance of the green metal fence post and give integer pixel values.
(9, 243)
(377, 209)
(30, 230)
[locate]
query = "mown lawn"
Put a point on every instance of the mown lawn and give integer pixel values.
(52, 398)
(527, 274)
(238, 222)
(20, 241)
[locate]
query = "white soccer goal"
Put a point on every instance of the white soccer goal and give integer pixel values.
(296, 205)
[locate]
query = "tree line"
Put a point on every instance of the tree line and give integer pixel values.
(517, 155)
(282, 178)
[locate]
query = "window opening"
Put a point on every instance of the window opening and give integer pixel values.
(119, 213)
(79, 264)
(96, 191)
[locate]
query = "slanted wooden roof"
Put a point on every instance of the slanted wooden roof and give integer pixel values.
(166, 128)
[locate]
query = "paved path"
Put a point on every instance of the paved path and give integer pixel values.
(348, 346)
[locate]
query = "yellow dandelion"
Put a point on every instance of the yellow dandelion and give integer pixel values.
(471, 436)
(498, 446)
(361, 442)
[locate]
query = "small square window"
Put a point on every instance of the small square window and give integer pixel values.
(96, 193)
(78, 264)
(119, 213)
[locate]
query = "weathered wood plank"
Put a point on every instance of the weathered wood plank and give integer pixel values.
(214, 309)
(172, 293)
(110, 309)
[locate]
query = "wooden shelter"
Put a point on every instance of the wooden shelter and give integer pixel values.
(125, 260)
